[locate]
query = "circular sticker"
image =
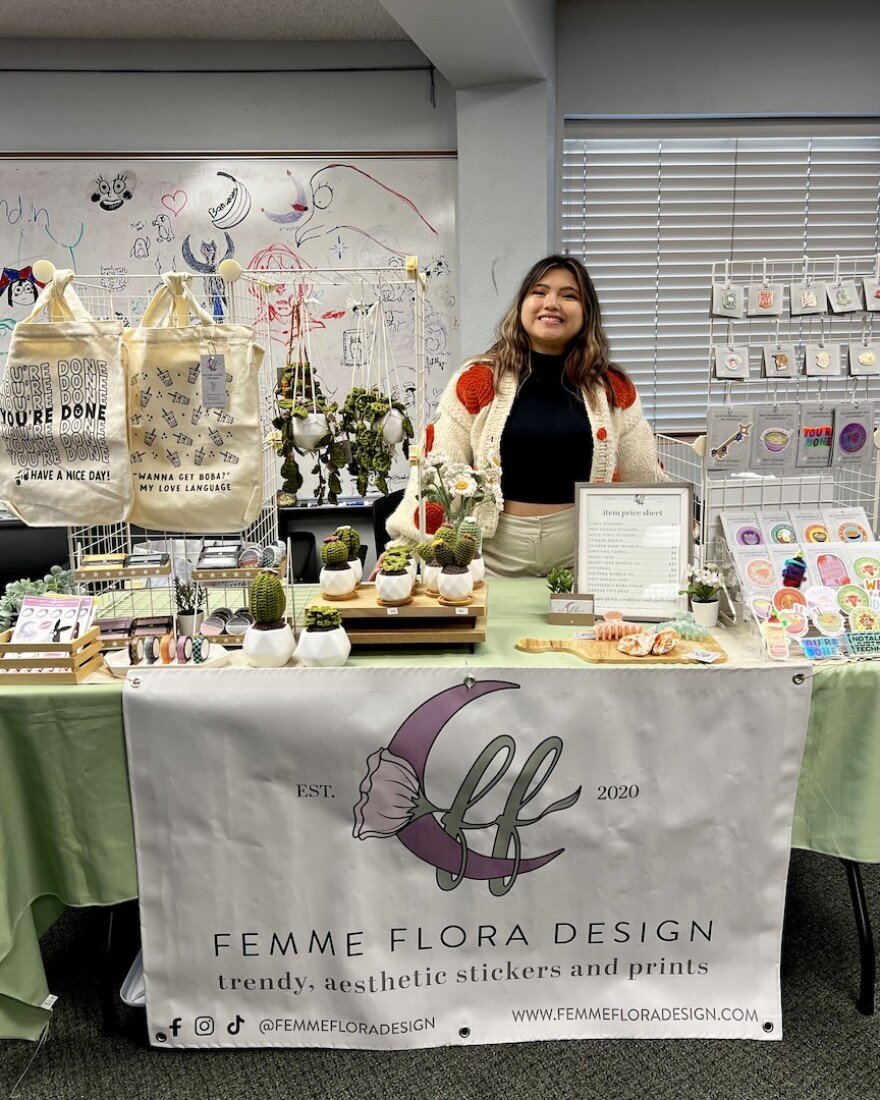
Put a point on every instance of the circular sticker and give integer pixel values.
(866, 569)
(732, 362)
(829, 623)
(852, 532)
(832, 570)
(784, 599)
(850, 598)
(775, 440)
(749, 536)
(852, 438)
(783, 534)
(760, 606)
(864, 619)
(816, 532)
(796, 624)
(821, 597)
(760, 572)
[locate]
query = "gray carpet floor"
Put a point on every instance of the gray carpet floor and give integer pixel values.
(829, 1051)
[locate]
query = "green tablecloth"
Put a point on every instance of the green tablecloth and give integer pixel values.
(65, 815)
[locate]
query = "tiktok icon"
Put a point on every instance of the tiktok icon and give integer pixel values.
(235, 1027)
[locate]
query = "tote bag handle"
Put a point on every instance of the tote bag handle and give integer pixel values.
(59, 300)
(173, 303)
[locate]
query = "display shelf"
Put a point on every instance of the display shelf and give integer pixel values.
(86, 575)
(50, 662)
(231, 576)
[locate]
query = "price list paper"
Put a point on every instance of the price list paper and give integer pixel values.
(633, 547)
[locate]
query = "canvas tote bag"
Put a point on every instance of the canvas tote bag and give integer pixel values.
(194, 417)
(63, 419)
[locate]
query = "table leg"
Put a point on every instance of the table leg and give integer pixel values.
(865, 1002)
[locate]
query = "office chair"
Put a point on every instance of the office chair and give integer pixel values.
(382, 509)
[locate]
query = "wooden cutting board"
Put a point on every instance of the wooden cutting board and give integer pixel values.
(607, 652)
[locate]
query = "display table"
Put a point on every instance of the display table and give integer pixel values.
(65, 823)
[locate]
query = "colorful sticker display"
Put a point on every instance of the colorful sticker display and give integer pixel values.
(864, 619)
(829, 623)
(850, 598)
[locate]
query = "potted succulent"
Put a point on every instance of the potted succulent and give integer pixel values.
(57, 580)
(566, 606)
(364, 416)
(394, 581)
(702, 584)
(268, 642)
(337, 578)
(469, 526)
(430, 567)
(352, 540)
(323, 642)
(454, 553)
(189, 600)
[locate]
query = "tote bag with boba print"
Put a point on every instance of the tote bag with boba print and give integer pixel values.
(194, 417)
(63, 421)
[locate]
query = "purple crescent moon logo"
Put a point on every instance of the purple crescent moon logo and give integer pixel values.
(393, 801)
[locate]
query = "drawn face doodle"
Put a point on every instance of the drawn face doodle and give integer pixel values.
(111, 194)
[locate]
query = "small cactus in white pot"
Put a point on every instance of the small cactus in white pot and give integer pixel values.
(454, 552)
(268, 642)
(430, 567)
(323, 642)
(394, 582)
(477, 566)
(337, 578)
(352, 540)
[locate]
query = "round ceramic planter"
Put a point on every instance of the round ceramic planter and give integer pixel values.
(430, 577)
(189, 624)
(309, 431)
(394, 587)
(392, 428)
(268, 648)
(456, 586)
(337, 583)
(478, 570)
(323, 648)
(356, 566)
(705, 612)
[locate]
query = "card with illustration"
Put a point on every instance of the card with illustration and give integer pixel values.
(822, 360)
(742, 530)
(731, 360)
(777, 528)
(854, 435)
(852, 597)
(728, 300)
(828, 568)
(764, 300)
(871, 288)
(807, 298)
(729, 438)
(864, 359)
(844, 297)
(780, 360)
(864, 568)
(849, 525)
(47, 619)
(774, 438)
(816, 434)
(809, 525)
(756, 573)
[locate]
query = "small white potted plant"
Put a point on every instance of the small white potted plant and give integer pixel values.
(268, 642)
(189, 600)
(430, 567)
(323, 642)
(703, 583)
(394, 581)
(454, 552)
(337, 579)
(352, 540)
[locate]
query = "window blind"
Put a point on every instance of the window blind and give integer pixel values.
(649, 213)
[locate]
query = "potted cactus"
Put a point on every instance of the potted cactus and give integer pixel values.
(352, 540)
(268, 642)
(394, 581)
(469, 526)
(323, 642)
(430, 567)
(337, 578)
(454, 553)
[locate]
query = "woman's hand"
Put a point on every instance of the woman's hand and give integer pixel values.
(376, 567)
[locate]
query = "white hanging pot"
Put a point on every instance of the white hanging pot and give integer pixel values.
(430, 578)
(478, 569)
(323, 648)
(309, 431)
(337, 583)
(393, 431)
(456, 587)
(394, 587)
(268, 648)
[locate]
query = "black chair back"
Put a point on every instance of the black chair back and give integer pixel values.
(382, 509)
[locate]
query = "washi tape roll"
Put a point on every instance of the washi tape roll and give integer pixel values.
(201, 649)
(151, 649)
(135, 650)
(166, 648)
(184, 649)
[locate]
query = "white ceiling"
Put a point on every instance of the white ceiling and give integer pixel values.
(275, 20)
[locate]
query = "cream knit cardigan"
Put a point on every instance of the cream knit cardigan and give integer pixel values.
(623, 446)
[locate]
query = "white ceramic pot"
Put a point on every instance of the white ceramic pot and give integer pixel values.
(705, 613)
(455, 586)
(394, 587)
(392, 428)
(309, 431)
(430, 578)
(337, 582)
(478, 570)
(323, 648)
(189, 624)
(355, 565)
(268, 648)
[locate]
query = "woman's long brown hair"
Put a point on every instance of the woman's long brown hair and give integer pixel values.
(587, 361)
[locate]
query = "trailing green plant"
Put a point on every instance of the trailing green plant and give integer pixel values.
(321, 617)
(352, 540)
(334, 552)
(189, 597)
(454, 553)
(298, 394)
(560, 580)
(363, 417)
(267, 600)
(58, 580)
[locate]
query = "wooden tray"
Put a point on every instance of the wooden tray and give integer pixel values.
(425, 621)
(68, 663)
(588, 649)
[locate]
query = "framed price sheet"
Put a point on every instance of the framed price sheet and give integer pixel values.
(633, 547)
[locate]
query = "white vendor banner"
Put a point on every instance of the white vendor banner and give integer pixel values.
(403, 857)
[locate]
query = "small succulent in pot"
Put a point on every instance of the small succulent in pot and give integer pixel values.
(395, 560)
(454, 553)
(323, 642)
(560, 580)
(320, 617)
(189, 597)
(267, 601)
(337, 578)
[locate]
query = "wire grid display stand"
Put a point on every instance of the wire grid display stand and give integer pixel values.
(264, 300)
(716, 492)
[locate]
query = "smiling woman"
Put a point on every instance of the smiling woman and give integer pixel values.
(546, 404)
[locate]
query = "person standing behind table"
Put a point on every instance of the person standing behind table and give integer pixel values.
(545, 403)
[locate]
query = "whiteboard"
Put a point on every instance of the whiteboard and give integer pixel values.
(120, 219)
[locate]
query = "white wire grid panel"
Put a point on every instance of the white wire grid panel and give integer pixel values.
(265, 300)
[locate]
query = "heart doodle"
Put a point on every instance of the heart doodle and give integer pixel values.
(175, 202)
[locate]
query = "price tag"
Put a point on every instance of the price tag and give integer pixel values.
(213, 381)
(461, 611)
(49, 1001)
(392, 610)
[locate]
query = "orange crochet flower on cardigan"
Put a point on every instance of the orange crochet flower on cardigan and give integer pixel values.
(475, 388)
(429, 438)
(623, 389)
(434, 516)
